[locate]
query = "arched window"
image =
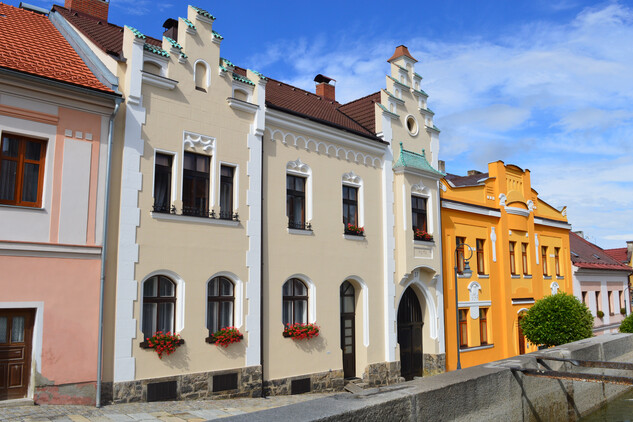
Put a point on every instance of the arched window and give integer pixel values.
(151, 67)
(220, 300)
(295, 302)
(159, 305)
(201, 76)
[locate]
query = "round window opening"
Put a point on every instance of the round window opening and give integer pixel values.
(412, 125)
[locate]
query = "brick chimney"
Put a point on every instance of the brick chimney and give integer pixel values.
(96, 8)
(324, 88)
(629, 250)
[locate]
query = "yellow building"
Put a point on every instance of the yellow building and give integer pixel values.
(517, 247)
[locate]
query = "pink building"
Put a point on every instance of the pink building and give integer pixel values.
(54, 128)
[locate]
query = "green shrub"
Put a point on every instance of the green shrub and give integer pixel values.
(556, 320)
(627, 325)
(623, 311)
(600, 314)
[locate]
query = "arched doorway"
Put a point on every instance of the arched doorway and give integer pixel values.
(348, 329)
(410, 335)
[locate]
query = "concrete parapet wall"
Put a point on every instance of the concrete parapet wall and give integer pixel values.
(485, 392)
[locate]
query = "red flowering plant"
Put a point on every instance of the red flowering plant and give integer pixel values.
(226, 336)
(355, 230)
(422, 235)
(300, 331)
(164, 343)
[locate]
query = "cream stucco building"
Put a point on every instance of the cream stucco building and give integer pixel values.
(239, 200)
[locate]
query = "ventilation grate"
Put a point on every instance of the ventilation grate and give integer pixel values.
(162, 391)
(225, 382)
(300, 386)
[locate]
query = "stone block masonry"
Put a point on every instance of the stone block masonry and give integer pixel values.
(487, 392)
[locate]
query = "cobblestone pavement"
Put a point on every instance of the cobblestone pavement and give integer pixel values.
(173, 411)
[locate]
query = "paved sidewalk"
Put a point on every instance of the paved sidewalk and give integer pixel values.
(173, 411)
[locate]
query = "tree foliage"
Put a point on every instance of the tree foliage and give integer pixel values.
(556, 320)
(627, 325)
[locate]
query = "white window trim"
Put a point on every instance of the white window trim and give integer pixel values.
(208, 71)
(417, 125)
(353, 180)
(238, 297)
(249, 93)
(174, 173)
(179, 324)
(420, 190)
(236, 183)
(311, 296)
(299, 168)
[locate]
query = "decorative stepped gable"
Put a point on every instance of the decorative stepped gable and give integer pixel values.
(410, 159)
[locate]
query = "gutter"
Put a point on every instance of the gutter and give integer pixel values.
(104, 249)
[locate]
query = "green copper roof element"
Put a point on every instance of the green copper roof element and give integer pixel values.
(223, 69)
(430, 111)
(398, 82)
(427, 110)
(415, 160)
(156, 50)
(436, 128)
(217, 35)
(259, 74)
(421, 92)
(136, 32)
(393, 96)
(226, 62)
(418, 75)
(174, 43)
(183, 55)
(189, 23)
(241, 78)
(403, 68)
(386, 110)
(203, 12)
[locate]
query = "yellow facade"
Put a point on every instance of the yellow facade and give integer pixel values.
(489, 212)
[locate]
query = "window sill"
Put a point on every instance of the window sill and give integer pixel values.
(483, 275)
(192, 219)
(527, 276)
(472, 349)
(463, 276)
(515, 276)
(301, 232)
(23, 207)
(211, 340)
(423, 242)
(145, 344)
(547, 277)
(560, 277)
(356, 237)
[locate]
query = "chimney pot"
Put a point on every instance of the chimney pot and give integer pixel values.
(441, 166)
(95, 8)
(473, 172)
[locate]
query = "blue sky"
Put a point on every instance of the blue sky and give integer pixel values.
(545, 85)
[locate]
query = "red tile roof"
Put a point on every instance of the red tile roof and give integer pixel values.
(401, 50)
(297, 101)
(107, 36)
(619, 254)
(29, 43)
(588, 255)
(363, 110)
(472, 180)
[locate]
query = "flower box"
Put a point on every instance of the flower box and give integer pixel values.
(354, 230)
(163, 343)
(225, 336)
(301, 331)
(422, 235)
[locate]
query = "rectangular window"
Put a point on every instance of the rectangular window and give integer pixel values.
(418, 209)
(195, 185)
(226, 192)
(162, 183)
(513, 268)
(21, 170)
(463, 328)
(524, 258)
(584, 298)
(350, 205)
(611, 307)
(557, 261)
(295, 201)
(481, 268)
(459, 255)
(544, 259)
(483, 325)
(598, 301)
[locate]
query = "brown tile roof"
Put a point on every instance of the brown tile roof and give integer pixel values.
(461, 181)
(401, 50)
(363, 110)
(619, 254)
(29, 43)
(587, 255)
(293, 100)
(107, 36)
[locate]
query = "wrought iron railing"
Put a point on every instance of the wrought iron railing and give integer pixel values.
(164, 208)
(299, 225)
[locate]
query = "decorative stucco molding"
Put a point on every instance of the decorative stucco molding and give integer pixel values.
(493, 239)
(554, 288)
(198, 143)
(352, 177)
(298, 166)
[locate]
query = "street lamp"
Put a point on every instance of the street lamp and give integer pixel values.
(466, 272)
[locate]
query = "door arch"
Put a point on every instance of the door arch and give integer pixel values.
(348, 328)
(410, 323)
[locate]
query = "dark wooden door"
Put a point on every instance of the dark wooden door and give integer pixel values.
(16, 333)
(521, 337)
(348, 329)
(410, 335)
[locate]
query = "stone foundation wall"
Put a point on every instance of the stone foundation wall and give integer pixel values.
(188, 386)
(434, 364)
(82, 393)
(382, 373)
(319, 382)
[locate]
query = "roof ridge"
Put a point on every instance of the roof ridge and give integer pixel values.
(301, 89)
(361, 98)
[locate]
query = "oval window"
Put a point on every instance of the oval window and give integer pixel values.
(412, 125)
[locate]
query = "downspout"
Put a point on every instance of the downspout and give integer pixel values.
(104, 250)
(261, 273)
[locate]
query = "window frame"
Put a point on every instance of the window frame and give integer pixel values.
(196, 176)
(159, 299)
(418, 212)
(224, 180)
(20, 161)
(512, 250)
(220, 299)
(295, 298)
(170, 189)
(483, 326)
(460, 258)
(524, 258)
(463, 328)
(557, 261)
(350, 202)
(481, 257)
(544, 259)
(296, 195)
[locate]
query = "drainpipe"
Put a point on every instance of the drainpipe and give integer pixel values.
(104, 241)
(261, 273)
